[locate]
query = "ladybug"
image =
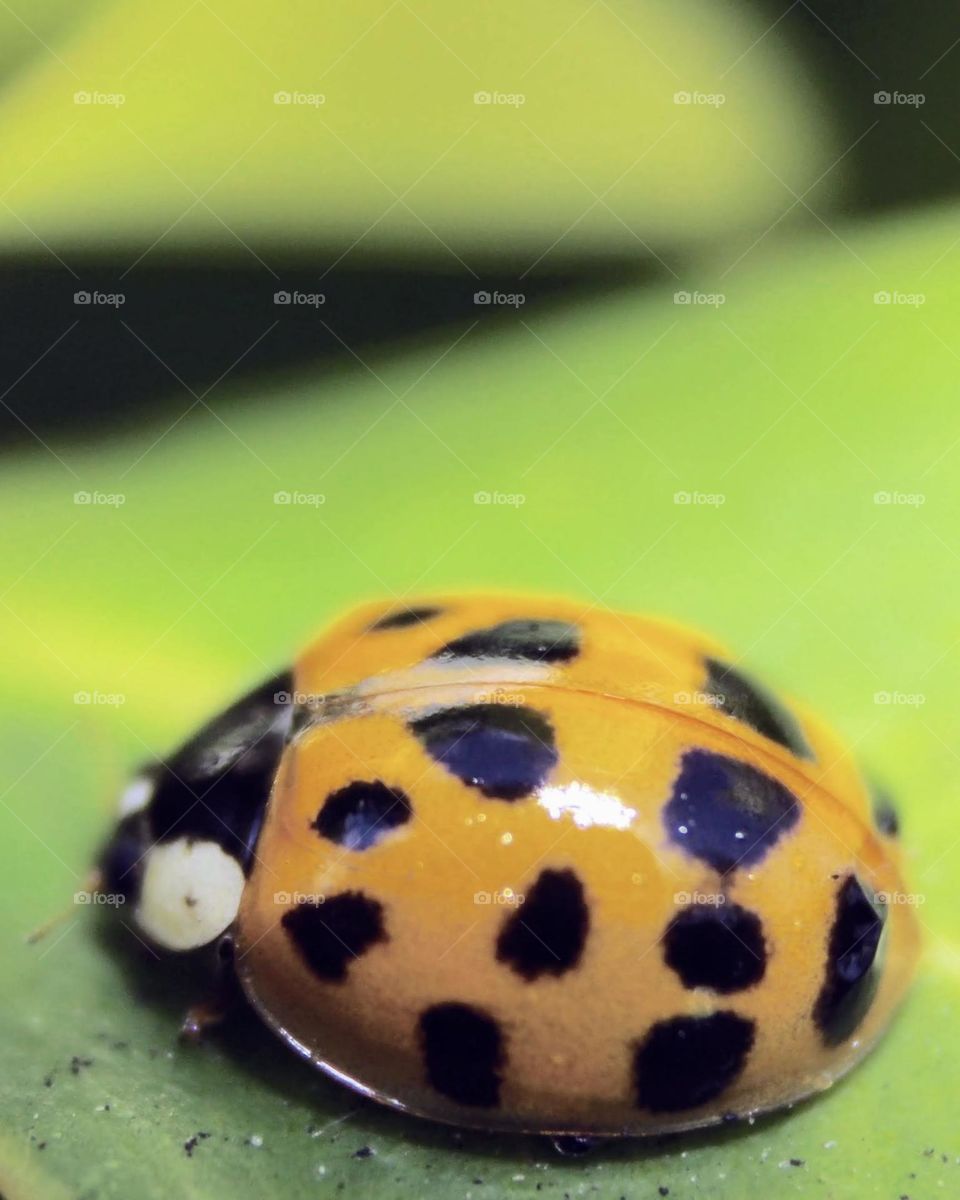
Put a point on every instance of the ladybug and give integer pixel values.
(517, 863)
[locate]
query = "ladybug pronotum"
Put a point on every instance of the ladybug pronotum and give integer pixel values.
(520, 864)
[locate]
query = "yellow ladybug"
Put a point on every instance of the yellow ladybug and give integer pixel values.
(523, 864)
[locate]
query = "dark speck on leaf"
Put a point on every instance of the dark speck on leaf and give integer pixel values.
(363, 1152)
(41, 1145)
(48, 1081)
(664, 1191)
(189, 1146)
(796, 1162)
(77, 1064)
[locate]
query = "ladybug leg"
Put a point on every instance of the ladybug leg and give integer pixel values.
(220, 1001)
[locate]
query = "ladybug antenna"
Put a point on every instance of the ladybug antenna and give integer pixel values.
(92, 886)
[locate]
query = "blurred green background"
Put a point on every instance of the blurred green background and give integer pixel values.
(650, 304)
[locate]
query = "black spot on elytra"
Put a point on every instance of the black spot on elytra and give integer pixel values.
(725, 812)
(361, 814)
(687, 1061)
(216, 786)
(885, 815)
(716, 946)
(331, 935)
(547, 933)
(849, 983)
(507, 751)
(405, 617)
(739, 697)
(527, 638)
(463, 1053)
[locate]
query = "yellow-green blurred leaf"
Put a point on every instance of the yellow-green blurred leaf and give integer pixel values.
(428, 128)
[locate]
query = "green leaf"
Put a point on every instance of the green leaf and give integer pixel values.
(796, 401)
(163, 121)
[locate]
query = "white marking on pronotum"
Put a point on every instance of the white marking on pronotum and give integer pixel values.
(190, 893)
